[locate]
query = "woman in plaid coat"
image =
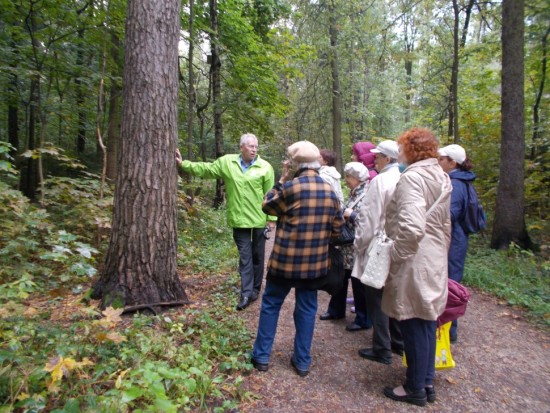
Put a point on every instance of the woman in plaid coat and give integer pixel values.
(308, 216)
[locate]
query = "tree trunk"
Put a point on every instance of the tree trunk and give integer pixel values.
(215, 70)
(13, 101)
(336, 93)
(453, 88)
(81, 131)
(537, 135)
(191, 81)
(113, 123)
(29, 173)
(13, 117)
(509, 224)
(141, 265)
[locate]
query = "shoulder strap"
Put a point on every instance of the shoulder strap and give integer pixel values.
(357, 200)
(436, 201)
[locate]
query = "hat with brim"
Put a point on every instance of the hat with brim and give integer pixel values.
(455, 152)
(388, 148)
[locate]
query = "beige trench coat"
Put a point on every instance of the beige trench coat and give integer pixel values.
(417, 284)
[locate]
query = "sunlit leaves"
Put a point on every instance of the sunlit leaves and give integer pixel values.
(60, 367)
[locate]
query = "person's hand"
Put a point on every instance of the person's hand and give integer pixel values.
(347, 212)
(179, 159)
(287, 165)
(271, 225)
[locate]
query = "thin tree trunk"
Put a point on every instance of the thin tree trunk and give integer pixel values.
(113, 123)
(336, 93)
(509, 225)
(141, 261)
(453, 88)
(81, 131)
(536, 108)
(215, 70)
(191, 81)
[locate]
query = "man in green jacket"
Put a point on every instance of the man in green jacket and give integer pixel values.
(247, 179)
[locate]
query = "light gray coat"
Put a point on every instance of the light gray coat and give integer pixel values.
(417, 284)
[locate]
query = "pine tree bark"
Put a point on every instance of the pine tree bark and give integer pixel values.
(509, 224)
(140, 266)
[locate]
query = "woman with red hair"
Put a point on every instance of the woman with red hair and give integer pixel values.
(416, 289)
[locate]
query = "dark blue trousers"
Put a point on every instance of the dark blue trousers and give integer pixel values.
(419, 341)
(337, 303)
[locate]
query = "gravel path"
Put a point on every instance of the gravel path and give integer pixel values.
(502, 366)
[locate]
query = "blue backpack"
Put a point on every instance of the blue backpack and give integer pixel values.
(474, 217)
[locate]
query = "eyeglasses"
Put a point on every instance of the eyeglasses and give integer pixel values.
(267, 230)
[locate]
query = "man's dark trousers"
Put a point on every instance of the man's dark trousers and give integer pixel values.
(251, 245)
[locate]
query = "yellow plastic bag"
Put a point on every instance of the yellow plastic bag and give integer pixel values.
(443, 358)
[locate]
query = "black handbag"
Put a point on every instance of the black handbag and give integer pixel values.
(347, 236)
(334, 279)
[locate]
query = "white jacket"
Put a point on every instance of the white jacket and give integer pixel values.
(372, 215)
(331, 176)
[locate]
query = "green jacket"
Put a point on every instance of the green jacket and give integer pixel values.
(245, 191)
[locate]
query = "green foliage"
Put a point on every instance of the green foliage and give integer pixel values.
(205, 242)
(150, 364)
(517, 276)
(36, 253)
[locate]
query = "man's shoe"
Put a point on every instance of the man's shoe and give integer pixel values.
(259, 366)
(329, 316)
(299, 372)
(355, 327)
(254, 296)
(419, 398)
(430, 394)
(245, 302)
(369, 354)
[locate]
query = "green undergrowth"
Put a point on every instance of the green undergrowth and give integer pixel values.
(185, 361)
(59, 353)
(517, 276)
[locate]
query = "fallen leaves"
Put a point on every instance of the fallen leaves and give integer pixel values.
(60, 367)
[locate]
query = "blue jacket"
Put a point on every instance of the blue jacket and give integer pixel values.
(459, 238)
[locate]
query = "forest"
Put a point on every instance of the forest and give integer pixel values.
(98, 95)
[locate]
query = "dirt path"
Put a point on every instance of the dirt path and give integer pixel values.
(502, 366)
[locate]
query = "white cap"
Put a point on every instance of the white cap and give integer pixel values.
(455, 152)
(388, 148)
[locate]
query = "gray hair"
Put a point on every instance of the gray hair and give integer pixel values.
(309, 165)
(246, 137)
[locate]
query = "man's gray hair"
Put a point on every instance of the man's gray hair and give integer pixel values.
(246, 137)
(308, 165)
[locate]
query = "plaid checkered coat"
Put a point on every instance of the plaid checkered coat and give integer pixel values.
(308, 216)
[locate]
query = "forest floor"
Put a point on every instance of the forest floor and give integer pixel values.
(502, 365)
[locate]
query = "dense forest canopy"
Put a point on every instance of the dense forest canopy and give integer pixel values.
(329, 71)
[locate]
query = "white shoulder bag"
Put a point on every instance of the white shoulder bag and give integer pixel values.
(379, 258)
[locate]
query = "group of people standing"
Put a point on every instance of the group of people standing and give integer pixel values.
(405, 188)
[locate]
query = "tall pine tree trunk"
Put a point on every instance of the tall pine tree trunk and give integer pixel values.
(509, 225)
(141, 265)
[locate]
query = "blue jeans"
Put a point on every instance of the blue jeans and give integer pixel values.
(305, 309)
(251, 245)
(419, 341)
